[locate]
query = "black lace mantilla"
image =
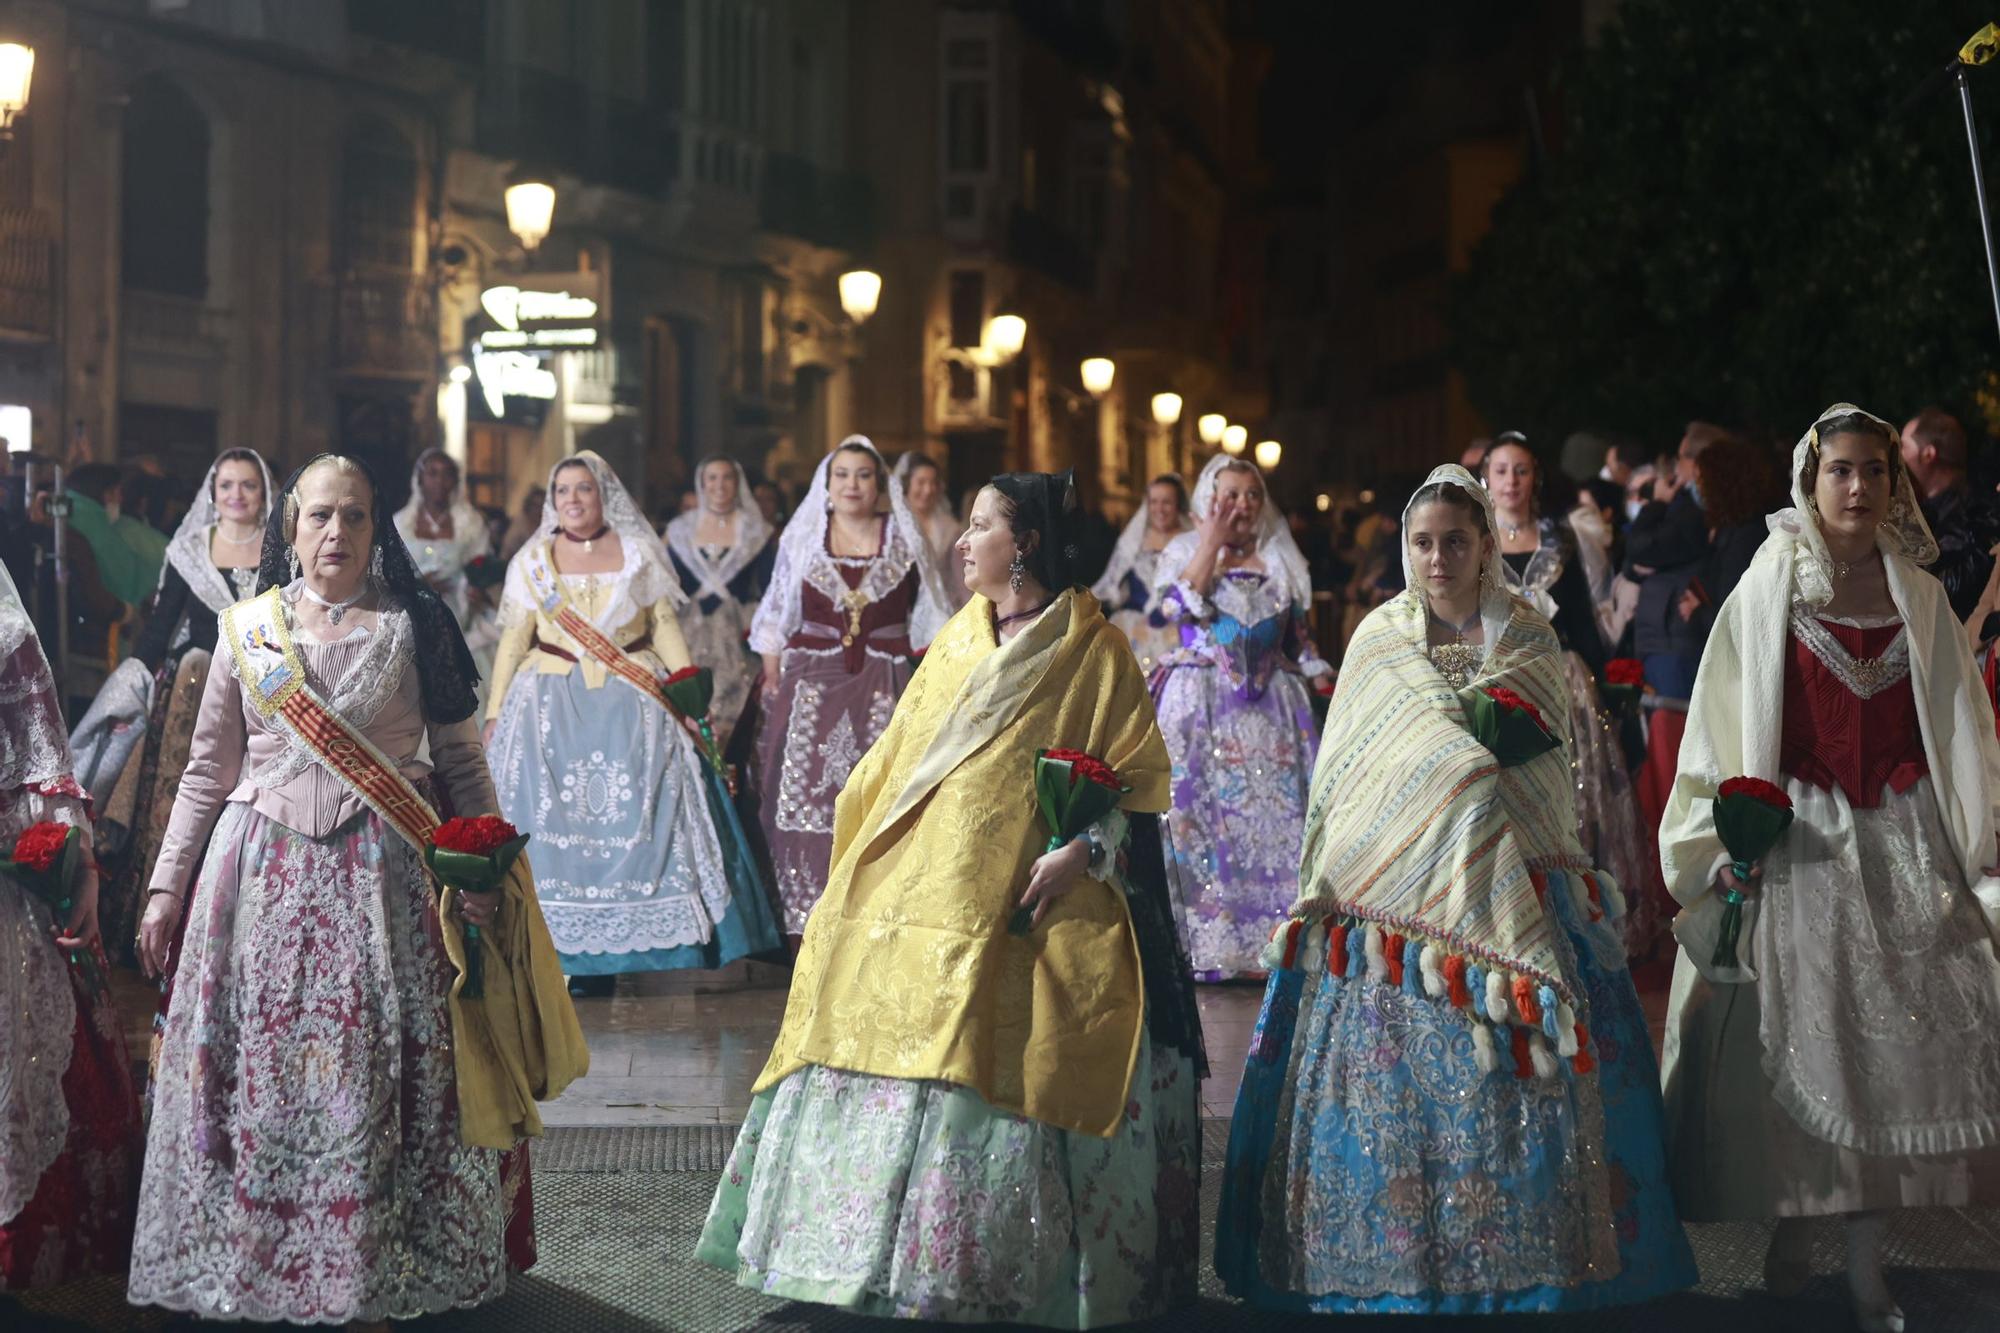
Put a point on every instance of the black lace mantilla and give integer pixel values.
(444, 664)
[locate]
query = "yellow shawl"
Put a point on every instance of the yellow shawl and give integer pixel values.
(521, 1043)
(907, 969)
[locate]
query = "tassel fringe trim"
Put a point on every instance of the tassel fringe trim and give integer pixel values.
(1516, 1019)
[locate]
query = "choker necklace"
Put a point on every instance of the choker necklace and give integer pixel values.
(589, 543)
(334, 610)
(1001, 622)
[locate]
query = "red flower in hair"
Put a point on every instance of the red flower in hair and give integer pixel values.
(479, 836)
(40, 844)
(1082, 766)
(1757, 789)
(1507, 699)
(1625, 671)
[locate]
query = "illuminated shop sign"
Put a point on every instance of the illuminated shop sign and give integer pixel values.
(506, 374)
(555, 310)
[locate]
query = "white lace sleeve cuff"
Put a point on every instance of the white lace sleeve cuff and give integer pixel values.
(1181, 601)
(1106, 837)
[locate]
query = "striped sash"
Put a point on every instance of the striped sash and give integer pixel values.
(268, 664)
(546, 585)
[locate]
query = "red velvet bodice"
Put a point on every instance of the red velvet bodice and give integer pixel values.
(1836, 734)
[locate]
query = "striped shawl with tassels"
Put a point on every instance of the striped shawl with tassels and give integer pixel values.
(1426, 864)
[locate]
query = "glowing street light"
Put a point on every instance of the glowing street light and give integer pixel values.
(1235, 439)
(1211, 425)
(1166, 408)
(531, 209)
(17, 72)
(1098, 373)
(860, 291)
(1005, 336)
(1268, 454)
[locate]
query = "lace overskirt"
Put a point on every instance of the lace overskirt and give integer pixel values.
(303, 1162)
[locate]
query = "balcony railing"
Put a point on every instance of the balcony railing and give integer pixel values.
(27, 272)
(163, 322)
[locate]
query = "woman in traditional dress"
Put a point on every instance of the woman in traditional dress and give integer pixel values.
(974, 1113)
(722, 553)
(1126, 586)
(133, 743)
(69, 1119)
(1844, 1059)
(641, 862)
(853, 595)
(1450, 1104)
(1539, 556)
(1236, 709)
(923, 488)
(311, 1157)
(444, 534)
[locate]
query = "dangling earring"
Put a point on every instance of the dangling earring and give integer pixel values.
(375, 565)
(1017, 572)
(292, 564)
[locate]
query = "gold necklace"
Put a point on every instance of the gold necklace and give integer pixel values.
(1456, 660)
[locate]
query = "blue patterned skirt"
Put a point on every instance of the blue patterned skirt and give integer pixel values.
(1374, 1168)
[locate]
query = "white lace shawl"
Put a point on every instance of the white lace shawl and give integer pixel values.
(34, 747)
(188, 550)
(444, 557)
(803, 557)
(647, 577)
(752, 532)
(1109, 589)
(360, 696)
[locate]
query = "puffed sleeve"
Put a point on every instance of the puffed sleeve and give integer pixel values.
(214, 766)
(515, 639)
(668, 642)
(458, 761)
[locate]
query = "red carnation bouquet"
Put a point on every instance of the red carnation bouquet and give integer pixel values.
(1508, 725)
(45, 860)
(1073, 790)
(483, 571)
(474, 856)
(1750, 816)
(691, 690)
(1624, 681)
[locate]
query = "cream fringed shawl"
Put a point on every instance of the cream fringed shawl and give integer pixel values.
(1428, 863)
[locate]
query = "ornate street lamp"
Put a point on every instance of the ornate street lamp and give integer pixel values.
(17, 73)
(860, 291)
(1098, 373)
(531, 208)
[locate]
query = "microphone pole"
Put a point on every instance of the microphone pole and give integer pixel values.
(1985, 44)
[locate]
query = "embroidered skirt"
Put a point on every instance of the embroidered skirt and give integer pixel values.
(816, 730)
(918, 1200)
(303, 1162)
(69, 1120)
(1243, 762)
(1374, 1168)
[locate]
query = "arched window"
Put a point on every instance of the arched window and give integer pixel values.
(378, 197)
(165, 199)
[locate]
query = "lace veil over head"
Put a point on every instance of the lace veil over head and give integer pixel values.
(1275, 546)
(188, 550)
(804, 545)
(1130, 542)
(648, 577)
(464, 517)
(1496, 601)
(1796, 532)
(752, 532)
